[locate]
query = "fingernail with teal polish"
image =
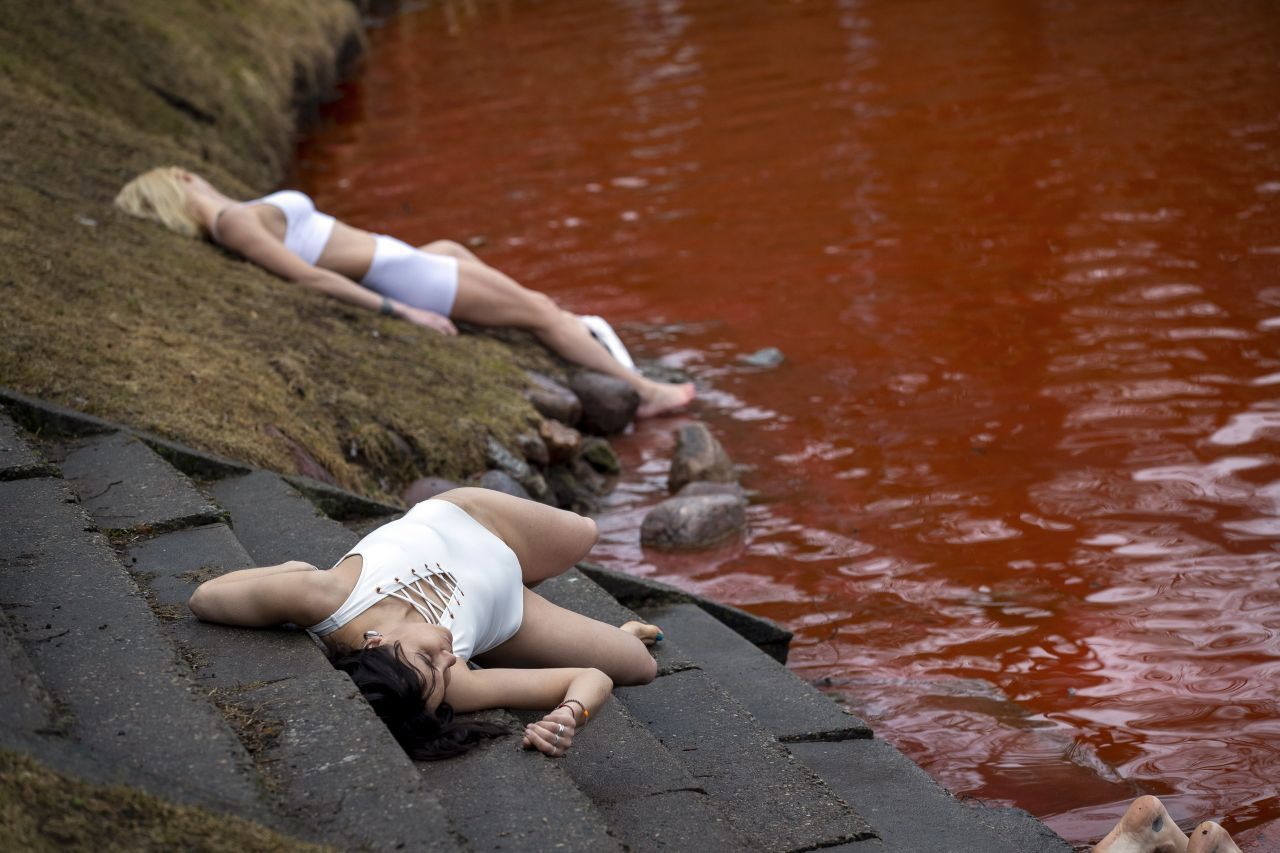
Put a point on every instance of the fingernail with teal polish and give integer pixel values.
(659, 637)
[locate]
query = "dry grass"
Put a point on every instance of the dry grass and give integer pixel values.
(122, 319)
(44, 811)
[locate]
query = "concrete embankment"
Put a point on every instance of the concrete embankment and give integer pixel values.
(106, 677)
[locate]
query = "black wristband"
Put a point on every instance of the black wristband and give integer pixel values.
(387, 309)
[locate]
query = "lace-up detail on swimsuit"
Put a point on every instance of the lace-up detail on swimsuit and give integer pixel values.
(429, 592)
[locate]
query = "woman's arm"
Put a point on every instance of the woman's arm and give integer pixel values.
(240, 230)
(534, 689)
(270, 595)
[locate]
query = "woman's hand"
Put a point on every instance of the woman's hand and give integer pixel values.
(427, 319)
(553, 734)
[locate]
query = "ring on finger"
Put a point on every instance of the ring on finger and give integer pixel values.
(560, 730)
(556, 740)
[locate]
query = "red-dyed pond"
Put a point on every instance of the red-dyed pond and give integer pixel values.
(1019, 484)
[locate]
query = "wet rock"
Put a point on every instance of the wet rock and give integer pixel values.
(599, 454)
(501, 481)
(704, 487)
(561, 442)
(426, 487)
(571, 492)
(698, 456)
(504, 460)
(552, 400)
(693, 522)
(304, 463)
(531, 482)
(767, 357)
(536, 485)
(535, 450)
(589, 477)
(608, 404)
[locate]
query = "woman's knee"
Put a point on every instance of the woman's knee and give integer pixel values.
(450, 248)
(638, 668)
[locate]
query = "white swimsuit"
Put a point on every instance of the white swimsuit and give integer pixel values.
(436, 546)
(421, 279)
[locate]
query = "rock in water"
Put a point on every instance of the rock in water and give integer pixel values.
(698, 456)
(693, 522)
(608, 404)
(767, 357)
(562, 442)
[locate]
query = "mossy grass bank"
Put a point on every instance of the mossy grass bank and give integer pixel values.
(42, 810)
(123, 319)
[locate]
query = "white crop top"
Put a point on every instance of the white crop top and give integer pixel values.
(436, 546)
(307, 231)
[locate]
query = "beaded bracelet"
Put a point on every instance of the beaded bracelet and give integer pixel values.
(586, 715)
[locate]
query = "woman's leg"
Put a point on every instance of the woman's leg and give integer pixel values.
(488, 297)
(551, 636)
(547, 541)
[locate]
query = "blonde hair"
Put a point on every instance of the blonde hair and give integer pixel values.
(159, 196)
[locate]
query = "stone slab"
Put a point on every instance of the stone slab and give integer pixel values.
(125, 486)
(642, 592)
(649, 799)
(276, 524)
(575, 591)
(752, 778)
(910, 811)
(49, 419)
(97, 648)
(502, 797)
(18, 459)
(339, 504)
(25, 704)
(330, 763)
(788, 707)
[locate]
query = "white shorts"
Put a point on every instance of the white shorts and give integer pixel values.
(412, 276)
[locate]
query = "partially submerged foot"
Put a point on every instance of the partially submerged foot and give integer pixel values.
(662, 398)
(1209, 837)
(1145, 828)
(647, 634)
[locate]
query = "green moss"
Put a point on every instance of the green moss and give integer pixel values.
(122, 319)
(41, 810)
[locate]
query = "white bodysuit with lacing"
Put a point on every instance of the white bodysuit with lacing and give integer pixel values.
(437, 547)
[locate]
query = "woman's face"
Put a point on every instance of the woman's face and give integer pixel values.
(429, 650)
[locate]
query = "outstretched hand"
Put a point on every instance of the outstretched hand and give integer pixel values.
(552, 735)
(427, 319)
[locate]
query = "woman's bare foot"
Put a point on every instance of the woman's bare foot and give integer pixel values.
(1145, 828)
(1209, 837)
(647, 634)
(663, 398)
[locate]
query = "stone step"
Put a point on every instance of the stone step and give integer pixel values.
(327, 760)
(765, 796)
(574, 591)
(96, 647)
(788, 707)
(911, 812)
(25, 704)
(622, 768)
(638, 593)
(18, 459)
(502, 797)
(275, 523)
(753, 780)
(125, 486)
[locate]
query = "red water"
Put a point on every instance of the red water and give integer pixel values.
(1018, 484)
